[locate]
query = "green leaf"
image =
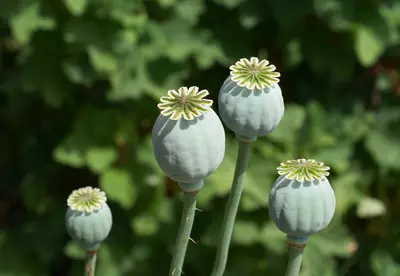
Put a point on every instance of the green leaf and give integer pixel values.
(293, 54)
(337, 157)
(190, 10)
(100, 159)
(370, 207)
(315, 265)
(272, 238)
(384, 148)
(335, 13)
(28, 20)
(70, 152)
(144, 225)
(74, 251)
(79, 71)
(368, 46)
(390, 14)
(119, 187)
(346, 190)
(293, 119)
(245, 232)
(76, 7)
(248, 204)
(335, 240)
(356, 126)
(124, 85)
(230, 4)
(167, 3)
(93, 129)
(251, 14)
(107, 264)
(322, 248)
(102, 61)
(320, 136)
(259, 180)
(383, 264)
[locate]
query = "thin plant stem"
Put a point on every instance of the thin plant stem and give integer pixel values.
(90, 263)
(188, 212)
(295, 258)
(231, 209)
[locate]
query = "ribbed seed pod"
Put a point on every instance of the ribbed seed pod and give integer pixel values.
(88, 218)
(302, 201)
(250, 100)
(188, 137)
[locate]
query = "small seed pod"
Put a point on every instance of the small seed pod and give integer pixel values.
(188, 137)
(250, 100)
(302, 201)
(88, 218)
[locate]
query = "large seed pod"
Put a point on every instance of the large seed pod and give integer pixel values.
(302, 201)
(188, 137)
(88, 218)
(250, 100)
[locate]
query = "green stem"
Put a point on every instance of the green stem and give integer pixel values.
(231, 209)
(295, 258)
(90, 263)
(188, 212)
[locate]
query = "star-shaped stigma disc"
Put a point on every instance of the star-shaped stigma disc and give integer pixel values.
(188, 103)
(303, 169)
(86, 199)
(254, 73)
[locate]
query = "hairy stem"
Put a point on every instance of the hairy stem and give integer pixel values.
(188, 212)
(295, 258)
(231, 209)
(90, 263)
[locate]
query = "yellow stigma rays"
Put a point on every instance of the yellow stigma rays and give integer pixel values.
(254, 73)
(87, 199)
(188, 103)
(303, 169)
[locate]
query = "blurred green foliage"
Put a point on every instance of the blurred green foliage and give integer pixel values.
(80, 81)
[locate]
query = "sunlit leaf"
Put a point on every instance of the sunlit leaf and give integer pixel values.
(293, 119)
(245, 232)
(368, 46)
(384, 264)
(384, 148)
(102, 61)
(76, 7)
(28, 20)
(100, 159)
(74, 251)
(370, 207)
(144, 225)
(272, 238)
(119, 187)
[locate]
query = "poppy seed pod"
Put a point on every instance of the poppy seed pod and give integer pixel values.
(250, 100)
(88, 218)
(302, 201)
(188, 137)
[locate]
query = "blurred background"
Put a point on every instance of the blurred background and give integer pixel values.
(79, 84)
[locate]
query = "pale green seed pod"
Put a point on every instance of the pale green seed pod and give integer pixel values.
(302, 201)
(88, 218)
(250, 100)
(188, 137)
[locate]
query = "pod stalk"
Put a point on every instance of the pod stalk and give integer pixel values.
(185, 228)
(295, 259)
(232, 208)
(90, 263)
